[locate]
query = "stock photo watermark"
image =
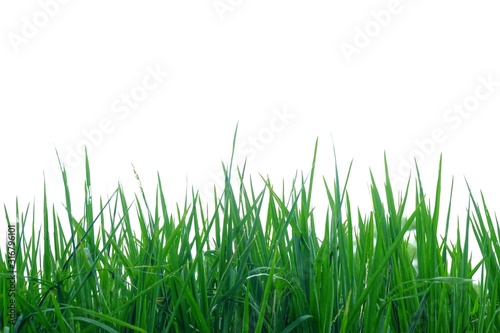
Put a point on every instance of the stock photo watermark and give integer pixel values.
(10, 304)
(452, 119)
(249, 148)
(31, 26)
(363, 36)
(122, 106)
(222, 7)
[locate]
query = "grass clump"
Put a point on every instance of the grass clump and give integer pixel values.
(251, 263)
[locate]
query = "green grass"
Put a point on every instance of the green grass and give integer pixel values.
(251, 261)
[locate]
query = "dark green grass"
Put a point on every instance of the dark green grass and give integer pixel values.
(252, 262)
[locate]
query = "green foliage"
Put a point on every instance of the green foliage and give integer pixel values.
(253, 264)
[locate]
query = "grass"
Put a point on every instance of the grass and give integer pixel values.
(251, 261)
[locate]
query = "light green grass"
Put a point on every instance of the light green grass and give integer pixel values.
(252, 262)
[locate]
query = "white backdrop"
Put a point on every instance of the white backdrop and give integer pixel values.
(162, 84)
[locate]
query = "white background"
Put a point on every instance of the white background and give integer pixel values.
(243, 62)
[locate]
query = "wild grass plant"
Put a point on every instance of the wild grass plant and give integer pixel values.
(251, 261)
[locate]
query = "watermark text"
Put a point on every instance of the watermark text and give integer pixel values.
(453, 118)
(11, 275)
